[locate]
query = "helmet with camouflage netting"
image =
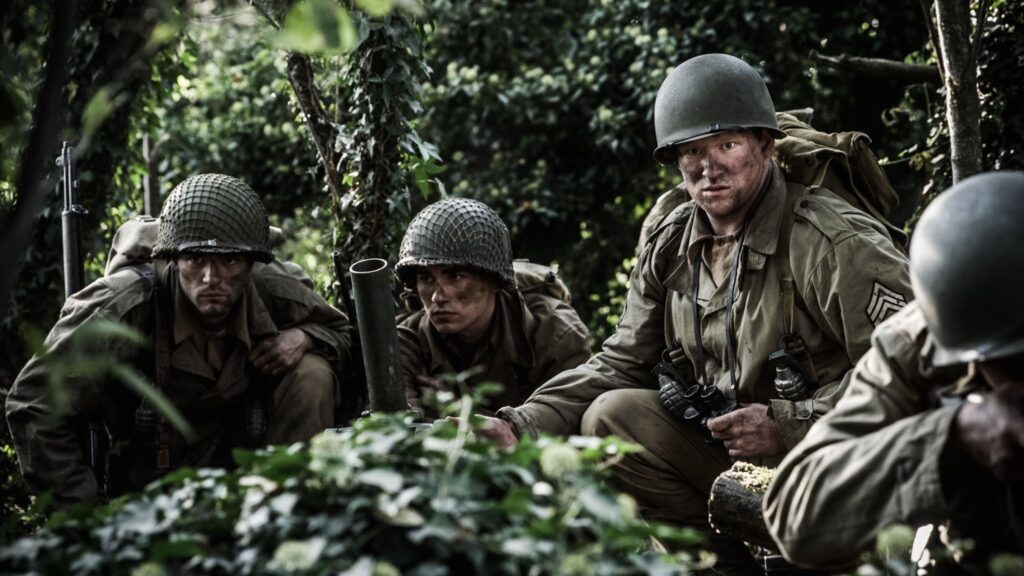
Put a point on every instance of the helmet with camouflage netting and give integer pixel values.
(213, 214)
(965, 266)
(457, 232)
(708, 94)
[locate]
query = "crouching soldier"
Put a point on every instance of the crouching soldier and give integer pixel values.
(245, 351)
(931, 428)
(457, 257)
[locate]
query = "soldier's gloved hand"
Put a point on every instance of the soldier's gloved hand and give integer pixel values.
(748, 432)
(278, 354)
(992, 430)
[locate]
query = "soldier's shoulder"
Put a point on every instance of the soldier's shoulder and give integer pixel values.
(906, 324)
(830, 218)
(112, 296)
(547, 308)
(554, 323)
(283, 280)
(671, 227)
(413, 320)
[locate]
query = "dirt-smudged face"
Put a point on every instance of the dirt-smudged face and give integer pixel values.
(458, 301)
(723, 174)
(213, 283)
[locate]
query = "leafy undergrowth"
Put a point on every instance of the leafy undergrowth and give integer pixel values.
(378, 498)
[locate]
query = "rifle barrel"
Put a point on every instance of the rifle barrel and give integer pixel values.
(74, 272)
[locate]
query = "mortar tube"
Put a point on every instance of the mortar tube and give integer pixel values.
(372, 280)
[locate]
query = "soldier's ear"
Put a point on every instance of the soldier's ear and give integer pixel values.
(767, 143)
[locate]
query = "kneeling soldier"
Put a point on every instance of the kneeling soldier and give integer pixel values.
(457, 257)
(245, 351)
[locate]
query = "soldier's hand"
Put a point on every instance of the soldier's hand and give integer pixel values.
(992, 431)
(278, 354)
(748, 432)
(496, 429)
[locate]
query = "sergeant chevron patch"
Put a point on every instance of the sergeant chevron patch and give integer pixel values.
(884, 302)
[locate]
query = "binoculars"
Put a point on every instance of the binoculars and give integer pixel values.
(693, 404)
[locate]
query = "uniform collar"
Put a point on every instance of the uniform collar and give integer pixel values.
(765, 223)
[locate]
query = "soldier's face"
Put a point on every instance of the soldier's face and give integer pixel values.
(1004, 371)
(457, 301)
(213, 283)
(723, 173)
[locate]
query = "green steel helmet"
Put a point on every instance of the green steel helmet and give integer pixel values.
(213, 213)
(457, 232)
(967, 269)
(708, 94)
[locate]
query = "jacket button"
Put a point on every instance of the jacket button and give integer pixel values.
(804, 204)
(804, 413)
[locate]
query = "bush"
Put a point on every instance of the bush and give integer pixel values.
(377, 498)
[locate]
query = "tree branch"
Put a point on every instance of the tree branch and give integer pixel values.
(878, 67)
(16, 227)
(300, 76)
(978, 29)
(933, 35)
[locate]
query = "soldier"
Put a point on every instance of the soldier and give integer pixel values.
(244, 350)
(457, 257)
(753, 265)
(932, 426)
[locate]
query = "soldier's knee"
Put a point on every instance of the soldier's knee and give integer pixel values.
(615, 411)
(312, 381)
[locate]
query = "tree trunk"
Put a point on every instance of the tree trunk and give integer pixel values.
(963, 105)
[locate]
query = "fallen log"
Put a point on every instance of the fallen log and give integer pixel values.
(734, 507)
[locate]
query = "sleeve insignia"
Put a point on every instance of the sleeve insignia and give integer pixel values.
(884, 303)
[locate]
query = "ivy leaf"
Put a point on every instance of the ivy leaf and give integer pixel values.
(317, 26)
(600, 505)
(376, 8)
(388, 481)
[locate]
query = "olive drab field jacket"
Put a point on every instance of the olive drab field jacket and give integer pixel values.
(51, 456)
(533, 337)
(848, 276)
(877, 459)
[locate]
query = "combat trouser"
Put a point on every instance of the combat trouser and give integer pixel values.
(671, 479)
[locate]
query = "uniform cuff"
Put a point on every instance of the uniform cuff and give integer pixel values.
(520, 425)
(794, 419)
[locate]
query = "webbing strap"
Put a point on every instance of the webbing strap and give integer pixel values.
(786, 283)
(792, 342)
(162, 348)
(697, 317)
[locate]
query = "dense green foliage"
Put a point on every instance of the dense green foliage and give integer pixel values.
(378, 498)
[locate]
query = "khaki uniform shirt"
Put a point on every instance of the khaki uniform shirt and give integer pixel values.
(51, 456)
(877, 459)
(532, 338)
(848, 274)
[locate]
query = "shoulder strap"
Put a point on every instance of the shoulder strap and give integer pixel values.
(792, 342)
(787, 284)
